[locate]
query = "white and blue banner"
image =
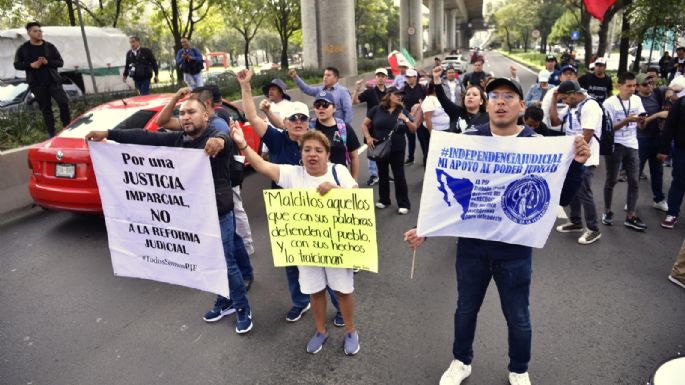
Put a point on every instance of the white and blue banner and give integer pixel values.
(493, 188)
(160, 210)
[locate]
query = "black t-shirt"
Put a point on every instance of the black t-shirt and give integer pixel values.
(41, 75)
(652, 105)
(474, 78)
(372, 96)
(337, 145)
(413, 95)
(383, 122)
(596, 87)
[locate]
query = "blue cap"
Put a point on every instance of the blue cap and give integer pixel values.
(325, 95)
(569, 67)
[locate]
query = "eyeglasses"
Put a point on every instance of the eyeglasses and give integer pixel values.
(296, 117)
(506, 96)
(321, 104)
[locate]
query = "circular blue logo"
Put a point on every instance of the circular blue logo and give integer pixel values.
(526, 200)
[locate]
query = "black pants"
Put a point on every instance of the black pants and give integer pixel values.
(396, 161)
(44, 94)
(424, 137)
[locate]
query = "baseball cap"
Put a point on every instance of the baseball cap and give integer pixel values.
(601, 61)
(381, 71)
(411, 72)
(325, 95)
(568, 87)
(569, 67)
(395, 90)
(297, 108)
(543, 76)
(276, 83)
(550, 57)
(641, 78)
(505, 82)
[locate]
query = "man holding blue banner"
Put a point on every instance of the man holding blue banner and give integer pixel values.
(508, 262)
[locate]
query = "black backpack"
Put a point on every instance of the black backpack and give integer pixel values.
(606, 140)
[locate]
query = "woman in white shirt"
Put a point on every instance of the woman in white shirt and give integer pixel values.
(315, 172)
(434, 116)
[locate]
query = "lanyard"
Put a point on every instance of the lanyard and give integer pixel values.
(570, 121)
(626, 112)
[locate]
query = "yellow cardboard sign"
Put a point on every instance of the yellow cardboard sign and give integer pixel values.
(334, 230)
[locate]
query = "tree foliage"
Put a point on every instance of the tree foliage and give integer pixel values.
(246, 17)
(515, 22)
(377, 24)
(284, 17)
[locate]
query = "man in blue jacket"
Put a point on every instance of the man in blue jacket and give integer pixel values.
(189, 60)
(479, 261)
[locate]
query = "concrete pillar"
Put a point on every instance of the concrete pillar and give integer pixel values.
(410, 21)
(310, 41)
(450, 29)
(328, 34)
(436, 24)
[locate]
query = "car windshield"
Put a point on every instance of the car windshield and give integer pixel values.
(10, 93)
(106, 119)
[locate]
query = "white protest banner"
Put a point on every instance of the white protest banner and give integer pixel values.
(493, 188)
(161, 216)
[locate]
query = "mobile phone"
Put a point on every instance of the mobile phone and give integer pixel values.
(643, 114)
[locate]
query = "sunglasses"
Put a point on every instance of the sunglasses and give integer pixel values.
(322, 104)
(298, 117)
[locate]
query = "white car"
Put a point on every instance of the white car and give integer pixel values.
(458, 62)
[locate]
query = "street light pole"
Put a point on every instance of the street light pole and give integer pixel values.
(85, 44)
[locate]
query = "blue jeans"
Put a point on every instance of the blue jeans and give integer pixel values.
(143, 86)
(411, 144)
(242, 258)
(677, 190)
(235, 278)
(648, 148)
(373, 169)
(512, 276)
(193, 81)
(299, 299)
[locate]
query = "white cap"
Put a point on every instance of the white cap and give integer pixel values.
(381, 71)
(411, 72)
(601, 60)
(677, 84)
(297, 108)
(543, 76)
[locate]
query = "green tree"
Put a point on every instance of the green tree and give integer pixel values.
(549, 12)
(375, 22)
(284, 16)
(180, 17)
(246, 17)
(516, 20)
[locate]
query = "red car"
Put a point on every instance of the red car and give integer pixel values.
(62, 176)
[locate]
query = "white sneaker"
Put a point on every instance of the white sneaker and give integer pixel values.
(663, 206)
(519, 378)
(380, 205)
(403, 211)
(456, 373)
(676, 281)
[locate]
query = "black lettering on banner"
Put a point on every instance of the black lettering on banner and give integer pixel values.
(136, 160)
(332, 230)
(160, 215)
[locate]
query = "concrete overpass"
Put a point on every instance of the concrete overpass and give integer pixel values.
(329, 38)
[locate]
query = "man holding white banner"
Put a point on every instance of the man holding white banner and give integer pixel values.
(196, 134)
(499, 194)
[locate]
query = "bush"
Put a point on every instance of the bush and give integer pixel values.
(368, 65)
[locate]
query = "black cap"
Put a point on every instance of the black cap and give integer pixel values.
(505, 82)
(569, 67)
(395, 90)
(551, 57)
(568, 87)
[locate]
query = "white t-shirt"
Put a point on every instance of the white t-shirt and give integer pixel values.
(562, 109)
(296, 177)
(281, 108)
(455, 91)
(439, 118)
(590, 119)
(618, 110)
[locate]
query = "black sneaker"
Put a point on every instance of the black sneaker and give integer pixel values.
(608, 218)
(635, 223)
(409, 162)
(570, 227)
(373, 180)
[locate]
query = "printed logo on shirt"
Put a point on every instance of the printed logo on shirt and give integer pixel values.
(526, 200)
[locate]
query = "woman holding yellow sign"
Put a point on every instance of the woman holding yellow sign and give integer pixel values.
(315, 172)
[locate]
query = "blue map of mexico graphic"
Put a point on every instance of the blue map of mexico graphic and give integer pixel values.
(524, 201)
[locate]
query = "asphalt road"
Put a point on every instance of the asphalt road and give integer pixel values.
(602, 314)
